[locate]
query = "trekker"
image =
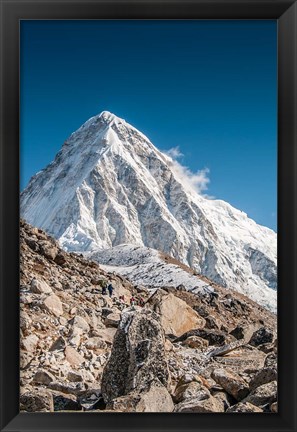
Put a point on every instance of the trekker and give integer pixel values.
(104, 286)
(110, 290)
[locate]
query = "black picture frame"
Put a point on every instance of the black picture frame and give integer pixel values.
(285, 12)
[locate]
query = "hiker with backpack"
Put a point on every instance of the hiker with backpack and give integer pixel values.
(110, 290)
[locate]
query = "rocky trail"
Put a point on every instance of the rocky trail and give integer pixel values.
(177, 352)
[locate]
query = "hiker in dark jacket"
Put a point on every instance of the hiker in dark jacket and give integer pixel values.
(110, 290)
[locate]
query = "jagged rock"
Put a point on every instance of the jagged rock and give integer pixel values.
(263, 376)
(89, 399)
(65, 387)
(74, 376)
(79, 326)
(43, 377)
(213, 337)
(244, 331)
(244, 407)
(155, 399)
(262, 395)
(30, 342)
(37, 401)
(189, 391)
(271, 360)
(226, 349)
(138, 355)
(40, 287)
(197, 405)
(225, 398)
(195, 342)
(60, 259)
(261, 336)
(59, 344)
(112, 320)
(231, 383)
(273, 407)
(49, 250)
(95, 343)
(176, 316)
(64, 402)
(73, 357)
(53, 304)
(107, 334)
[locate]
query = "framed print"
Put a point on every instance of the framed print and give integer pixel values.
(148, 208)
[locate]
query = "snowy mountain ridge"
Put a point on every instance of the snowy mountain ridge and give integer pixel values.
(109, 185)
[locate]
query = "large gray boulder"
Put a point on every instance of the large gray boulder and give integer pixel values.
(137, 357)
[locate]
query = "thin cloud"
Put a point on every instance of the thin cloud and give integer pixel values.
(193, 181)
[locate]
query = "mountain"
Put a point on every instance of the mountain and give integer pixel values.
(109, 185)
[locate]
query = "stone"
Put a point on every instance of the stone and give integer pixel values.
(60, 259)
(107, 334)
(29, 343)
(155, 399)
(197, 405)
(261, 336)
(65, 387)
(176, 316)
(43, 377)
(112, 320)
(95, 343)
(195, 342)
(138, 355)
(37, 401)
(73, 357)
(58, 345)
(225, 349)
(48, 249)
(53, 304)
(190, 391)
(263, 376)
(63, 402)
(213, 337)
(74, 376)
(40, 287)
(262, 395)
(231, 383)
(90, 398)
(79, 326)
(273, 407)
(244, 407)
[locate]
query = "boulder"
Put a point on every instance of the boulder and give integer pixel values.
(176, 316)
(214, 337)
(231, 383)
(73, 357)
(265, 394)
(48, 249)
(189, 391)
(29, 343)
(197, 405)
(74, 376)
(40, 287)
(107, 334)
(37, 401)
(261, 336)
(195, 342)
(112, 320)
(79, 326)
(95, 343)
(63, 402)
(53, 304)
(60, 258)
(244, 407)
(43, 377)
(138, 355)
(58, 345)
(155, 399)
(263, 376)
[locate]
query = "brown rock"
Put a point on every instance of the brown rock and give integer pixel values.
(112, 320)
(40, 287)
(43, 377)
(53, 304)
(244, 407)
(176, 316)
(29, 343)
(263, 376)
(265, 394)
(197, 405)
(190, 391)
(37, 401)
(73, 357)
(59, 344)
(231, 383)
(195, 342)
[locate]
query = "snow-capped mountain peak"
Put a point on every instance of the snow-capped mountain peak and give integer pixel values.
(109, 185)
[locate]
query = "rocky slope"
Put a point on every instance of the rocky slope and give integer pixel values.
(109, 185)
(174, 351)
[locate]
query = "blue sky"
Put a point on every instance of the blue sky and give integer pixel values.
(206, 87)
